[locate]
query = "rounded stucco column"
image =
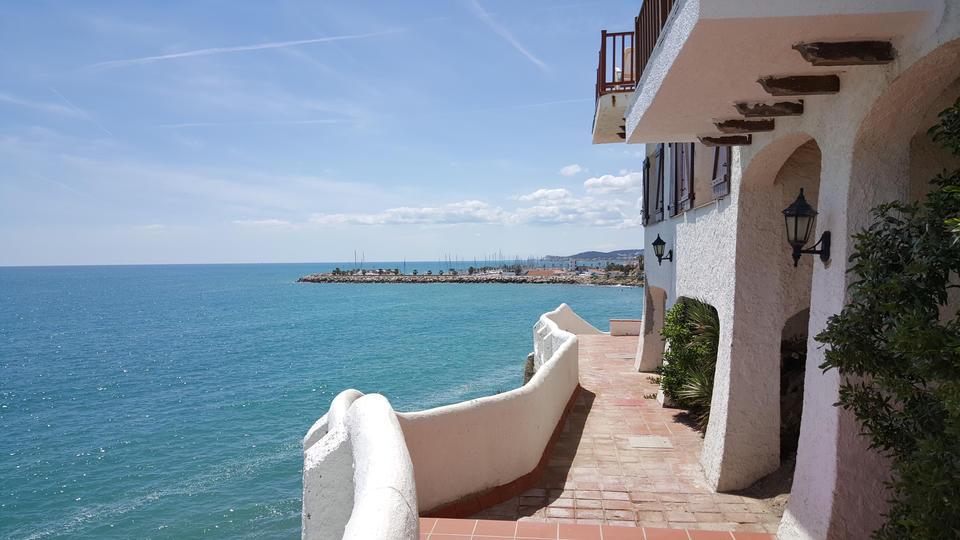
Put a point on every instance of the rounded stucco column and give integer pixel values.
(811, 498)
(838, 489)
(742, 442)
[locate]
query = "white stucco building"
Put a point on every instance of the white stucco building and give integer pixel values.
(741, 104)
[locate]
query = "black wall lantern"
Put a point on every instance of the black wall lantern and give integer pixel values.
(799, 218)
(658, 246)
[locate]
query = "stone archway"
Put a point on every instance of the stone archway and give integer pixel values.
(839, 487)
(742, 443)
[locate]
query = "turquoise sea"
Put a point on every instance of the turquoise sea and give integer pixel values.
(170, 401)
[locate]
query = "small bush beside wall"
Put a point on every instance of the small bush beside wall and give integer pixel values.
(692, 330)
(897, 347)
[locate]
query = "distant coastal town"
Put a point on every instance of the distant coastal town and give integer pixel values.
(623, 267)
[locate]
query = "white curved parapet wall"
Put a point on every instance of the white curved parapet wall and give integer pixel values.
(369, 472)
(357, 476)
(467, 448)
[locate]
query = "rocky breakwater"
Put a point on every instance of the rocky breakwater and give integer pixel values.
(467, 278)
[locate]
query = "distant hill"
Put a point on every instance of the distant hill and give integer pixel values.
(603, 255)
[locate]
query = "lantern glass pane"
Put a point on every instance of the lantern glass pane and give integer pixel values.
(790, 222)
(804, 228)
(798, 229)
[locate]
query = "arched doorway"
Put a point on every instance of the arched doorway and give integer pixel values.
(839, 482)
(742, 443)
(793, 362)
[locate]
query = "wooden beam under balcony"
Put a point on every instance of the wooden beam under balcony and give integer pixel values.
(801, 85)
(846, 53)
(728, 140)
(780, 108)
(741, 125)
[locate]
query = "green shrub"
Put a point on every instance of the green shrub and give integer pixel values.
(697, 392)
(898, 350)
(692, 329)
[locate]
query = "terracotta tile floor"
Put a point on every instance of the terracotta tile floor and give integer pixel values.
(471, 529)
(625, 460)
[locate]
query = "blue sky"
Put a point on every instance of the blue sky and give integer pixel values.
(227, 131)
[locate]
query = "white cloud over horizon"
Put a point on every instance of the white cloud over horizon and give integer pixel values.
(585, 211)
(545, 194)
(470, 211)
(608, 183)
(265, 223)
(543, 207)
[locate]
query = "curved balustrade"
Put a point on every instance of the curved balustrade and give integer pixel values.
(369, 471)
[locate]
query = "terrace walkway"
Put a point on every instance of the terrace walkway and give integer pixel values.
(474, 529)
(623, 460)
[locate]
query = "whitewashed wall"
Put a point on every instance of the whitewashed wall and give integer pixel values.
(369, 471)
(494, 440)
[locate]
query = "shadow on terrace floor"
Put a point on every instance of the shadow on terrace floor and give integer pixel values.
(622, 459)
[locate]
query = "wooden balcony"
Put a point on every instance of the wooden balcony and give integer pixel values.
(622, 58)
(624, 55)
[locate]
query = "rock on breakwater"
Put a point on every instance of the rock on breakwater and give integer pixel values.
(467, 278)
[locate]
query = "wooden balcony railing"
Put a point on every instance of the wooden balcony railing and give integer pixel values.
(617, 69)
(647, 26)
(624, 55)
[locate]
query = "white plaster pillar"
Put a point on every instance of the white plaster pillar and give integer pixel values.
(742, 443)
(838, 483)
(650, 346)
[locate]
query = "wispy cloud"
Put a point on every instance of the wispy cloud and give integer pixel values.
(254, 123)
(216, 99)
(485, 17)
(554, 102)
(54, 108)
(240, 48)
(265, 223)
(80, 112)
(456, 213)
(571, 170)
(536, 105)
(557, 7)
